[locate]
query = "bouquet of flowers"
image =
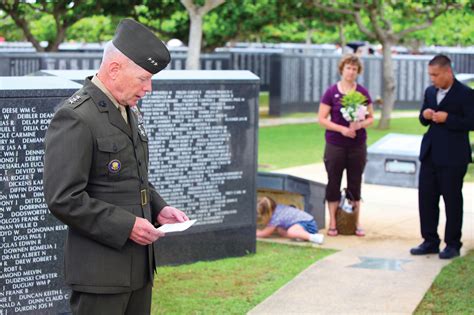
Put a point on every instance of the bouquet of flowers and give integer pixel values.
(353, 108)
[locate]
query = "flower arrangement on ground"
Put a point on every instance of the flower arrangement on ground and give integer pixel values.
(353, 106)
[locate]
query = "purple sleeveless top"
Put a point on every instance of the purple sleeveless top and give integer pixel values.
(332, 97)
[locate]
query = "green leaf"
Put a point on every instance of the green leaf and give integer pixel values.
(352, 99)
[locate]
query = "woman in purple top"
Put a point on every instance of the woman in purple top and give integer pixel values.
(345, 141)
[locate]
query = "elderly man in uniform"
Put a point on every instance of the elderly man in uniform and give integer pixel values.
(96, 180)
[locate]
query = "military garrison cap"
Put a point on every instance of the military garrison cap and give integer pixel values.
(139, 44)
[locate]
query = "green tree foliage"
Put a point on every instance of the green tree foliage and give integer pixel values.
(235, 20)
(8, 29)
(168, 18)
(454, 28)
(96, 29)
(48, 20)
(240, 20)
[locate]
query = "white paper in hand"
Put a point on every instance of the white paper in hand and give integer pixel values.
(176, 227)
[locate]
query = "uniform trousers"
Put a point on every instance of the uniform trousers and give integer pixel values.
(136, 302)
(436, 181)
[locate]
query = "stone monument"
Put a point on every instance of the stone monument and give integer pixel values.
(31, 239)
(393, 160)
(202, 131)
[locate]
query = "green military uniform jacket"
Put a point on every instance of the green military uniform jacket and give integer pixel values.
(96, 182)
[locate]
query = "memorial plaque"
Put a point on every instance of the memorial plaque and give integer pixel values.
(393, 161)
(316, 80)
(307, 80)
(31, 239)
(202, 131)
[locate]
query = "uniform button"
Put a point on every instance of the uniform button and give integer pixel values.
(139, 163)
(115, 148)
(142, 180)
(102, 104)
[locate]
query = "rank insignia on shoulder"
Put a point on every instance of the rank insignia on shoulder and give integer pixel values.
(114, 166)
(74, 99)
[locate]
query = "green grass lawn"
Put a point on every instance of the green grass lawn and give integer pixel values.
(231, 285)
(292, 145)
(452, 292)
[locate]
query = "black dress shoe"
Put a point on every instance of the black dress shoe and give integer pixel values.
(424, 249)
(449, 252)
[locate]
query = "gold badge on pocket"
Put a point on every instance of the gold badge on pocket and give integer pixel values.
(114, 166)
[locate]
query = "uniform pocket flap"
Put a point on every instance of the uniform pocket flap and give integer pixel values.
(111, 144)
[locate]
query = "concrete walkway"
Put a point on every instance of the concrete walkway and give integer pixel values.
(373, 274)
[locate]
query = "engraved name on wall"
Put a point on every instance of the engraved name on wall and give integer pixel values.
(198, 148)
(31, 240)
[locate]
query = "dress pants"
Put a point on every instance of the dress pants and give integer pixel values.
(436, 181)
(136, 302)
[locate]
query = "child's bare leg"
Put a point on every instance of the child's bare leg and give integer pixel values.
(297, 231)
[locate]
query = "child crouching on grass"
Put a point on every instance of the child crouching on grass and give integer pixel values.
(288, 221)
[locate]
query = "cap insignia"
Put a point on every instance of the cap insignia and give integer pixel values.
(152, 61)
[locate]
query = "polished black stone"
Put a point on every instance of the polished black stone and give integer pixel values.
(202, 131)
(32, 239)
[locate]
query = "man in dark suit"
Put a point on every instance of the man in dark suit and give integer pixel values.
(448, 110)
(96, 179)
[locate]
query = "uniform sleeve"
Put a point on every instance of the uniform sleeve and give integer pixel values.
(67, 162)
(464, 122)
(156, 203)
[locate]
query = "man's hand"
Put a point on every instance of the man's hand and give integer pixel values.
(171, 215)
(439, 117)
(428, 114)
(348, 132)
(144, 233)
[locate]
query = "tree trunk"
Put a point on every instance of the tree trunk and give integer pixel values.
(388, 94)
(194, 44)
(60, 36)
(196, 14)
(309, 36)
(342, 36)
(21, 22)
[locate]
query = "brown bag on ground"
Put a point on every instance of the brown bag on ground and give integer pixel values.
(345, 216)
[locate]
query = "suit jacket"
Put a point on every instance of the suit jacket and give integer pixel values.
(449, 141)
(96, 182)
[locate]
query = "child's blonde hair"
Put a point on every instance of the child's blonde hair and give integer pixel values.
(265, 208)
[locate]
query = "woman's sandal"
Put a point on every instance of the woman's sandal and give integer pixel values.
(332, 232)
(359, 232)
